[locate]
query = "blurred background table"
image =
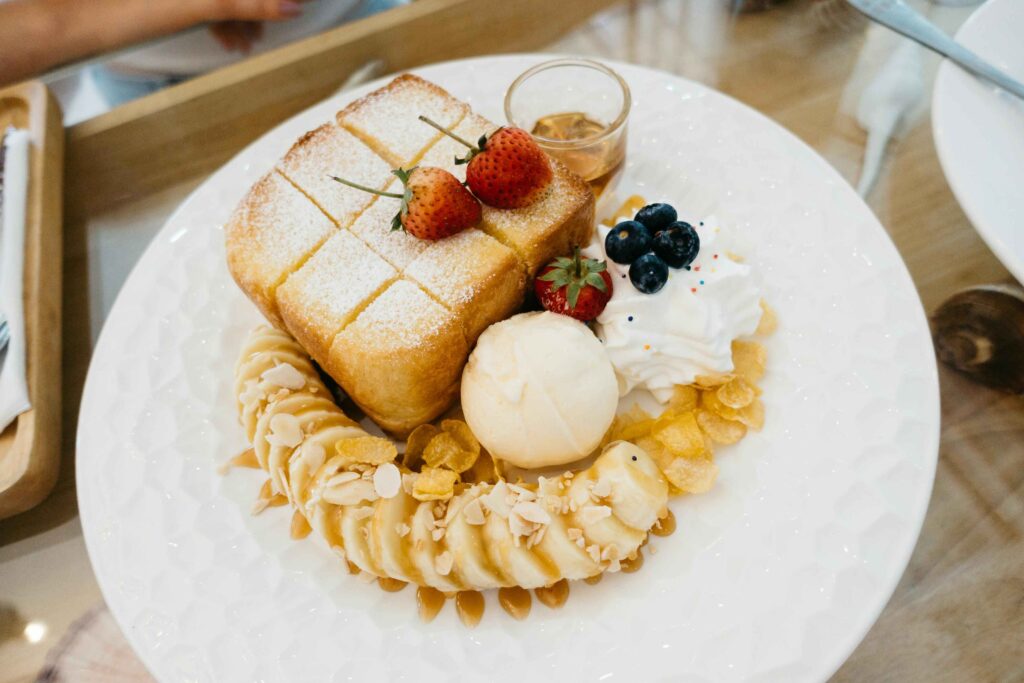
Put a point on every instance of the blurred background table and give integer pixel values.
(957, 614)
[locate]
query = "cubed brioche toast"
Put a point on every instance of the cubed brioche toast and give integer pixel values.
(390, 317)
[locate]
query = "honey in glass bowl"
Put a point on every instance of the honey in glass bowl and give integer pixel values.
(576, 110)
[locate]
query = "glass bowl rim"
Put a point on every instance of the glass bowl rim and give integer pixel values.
(613, 127)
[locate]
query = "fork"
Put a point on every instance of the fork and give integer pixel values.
(5, 332)
(901, 18)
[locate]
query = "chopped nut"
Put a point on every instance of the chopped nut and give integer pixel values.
(496, 501)
(603, 488)
(595, 552)
(437, 534)
(524, 494)
(531, 511)
(610, 552)
(473, 512)
(573, 533)
(402, 529)
(443, 563)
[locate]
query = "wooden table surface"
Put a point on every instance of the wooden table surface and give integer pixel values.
(957, 614)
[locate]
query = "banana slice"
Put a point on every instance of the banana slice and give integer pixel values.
(528, 535)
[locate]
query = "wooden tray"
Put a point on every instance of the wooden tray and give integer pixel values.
(30, 447)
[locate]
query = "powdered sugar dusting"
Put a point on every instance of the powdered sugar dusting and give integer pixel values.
(387, 118)
(332, 286)
(373, 226)
(273, 230)
(402, 317)
(330, 150)
(457, 269)
(443, 152)
(534, 229)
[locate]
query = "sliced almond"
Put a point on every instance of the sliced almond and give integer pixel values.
(473, 512)
(342, 478)
(603, 488)
(284, 431)
(285, 376)
(532, 511)
(387, 480)
(351, 493)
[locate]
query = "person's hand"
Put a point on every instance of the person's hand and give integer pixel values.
(249, 10)
(243, 27)
(237, 35)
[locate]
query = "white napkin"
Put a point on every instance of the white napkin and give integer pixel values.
(13, 387)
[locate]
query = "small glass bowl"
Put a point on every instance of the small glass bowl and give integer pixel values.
(576, 110)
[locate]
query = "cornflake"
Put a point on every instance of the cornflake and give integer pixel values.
(368, 450)
(434, 483)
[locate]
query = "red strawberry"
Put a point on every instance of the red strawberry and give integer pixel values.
(577, 287)
(506, 170)
(435, 204)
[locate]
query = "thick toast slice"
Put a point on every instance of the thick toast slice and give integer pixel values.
(388, 119)
(474, 276)
(562, 219)
(271, 233)
(390, 317)
(330, 150)
(401, 359)
(330, 289)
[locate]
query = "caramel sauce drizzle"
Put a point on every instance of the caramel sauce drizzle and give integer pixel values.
(430, 601)
(593, 580)
(246, 458)
(352, 568)
(555, 595)
(665, 526)
(390, 585)
(515, 601)
(300, 526)
(470, 607)
(630, 565)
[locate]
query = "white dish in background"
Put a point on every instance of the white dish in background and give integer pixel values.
(979, 131)
(774, 575)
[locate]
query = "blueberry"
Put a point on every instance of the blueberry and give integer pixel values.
(627, 241)
(648, 273)
(656, 216)
(677, 245)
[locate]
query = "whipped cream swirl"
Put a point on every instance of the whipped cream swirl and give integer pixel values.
(685, 330)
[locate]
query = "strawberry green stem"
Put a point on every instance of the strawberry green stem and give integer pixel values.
(364, 188)
(447, 132)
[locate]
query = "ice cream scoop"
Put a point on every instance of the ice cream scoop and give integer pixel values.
(539, 390)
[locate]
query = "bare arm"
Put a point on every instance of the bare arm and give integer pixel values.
(37, 35)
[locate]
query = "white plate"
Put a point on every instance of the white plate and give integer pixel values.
(774, 575)
(979, 131)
